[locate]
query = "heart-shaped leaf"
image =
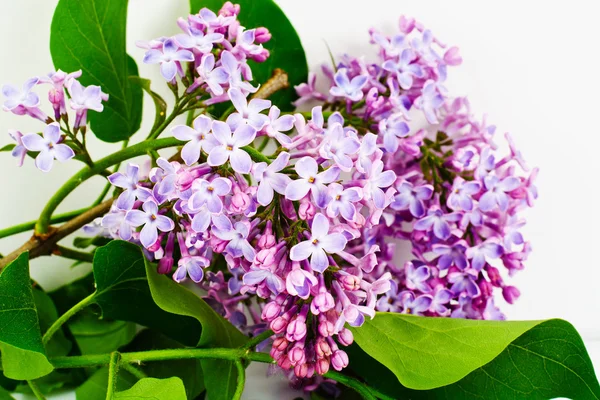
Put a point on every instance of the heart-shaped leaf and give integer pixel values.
(285, 48)
(548, 360)
(90, 35)
(96, 386)
(23, 354)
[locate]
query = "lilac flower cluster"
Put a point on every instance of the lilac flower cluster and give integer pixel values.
(302, 241)
(214, 49)
(58, 141)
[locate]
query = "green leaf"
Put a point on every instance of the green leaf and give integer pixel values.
(98, 336)
(285, 48)
(8, 147)
(156, 389)
(66, 296)
(90, 35)
(5, 395)
(159, 103)
(85, 242)
(95, 387)
(23, 355)
(547, 361)
(188, 370)
(58, 345)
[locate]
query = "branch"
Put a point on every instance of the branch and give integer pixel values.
(43, 245)
(277, 81)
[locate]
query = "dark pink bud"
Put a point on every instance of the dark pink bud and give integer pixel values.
(349, 282)
(270, 311)
(307, 210)
(322, 302)
(261, 57)
(326, 328)
(339, 360)
(240, 202)
(265, 258)
(165, 265)
(279, 324)
(296, 330)
(494, 276)
(262, 35)
(301, 370)
(322, 348)
(296, 356)
(229, 9)
(322, 366)
(284, 362)
(510, 293)
(267, 240)
(452, 56)
(280, 344)
(345, 337)
(485, 287)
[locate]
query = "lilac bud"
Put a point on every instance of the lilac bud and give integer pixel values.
(260, 57)
(262, 35)
(485, 287)
(326, 328)
(280, 344)
(339, 360)
(284, 362)
(271, 311)
(345, 337)
(240, 202)
(510, 294)
(307, 210)
(165, 265)
(279, 324)
(267, 239)
(301, 370)
(229, 9)
(296, 354)
(349, 282)
(452, 56)
(494, 276)
(322, 302)
(322, 348)
(296, 329)
(322, 366)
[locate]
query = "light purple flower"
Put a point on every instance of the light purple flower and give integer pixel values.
(338, 146)
(84, 99)
(237, 235)
(278, 124)
(516, 153)
(213, 77)
(245, 42)
(451, 255)
(404, 68)
(130, 182)
(377, 180)
(115, 223)
(484, 252)
(211, 20)
(19, 151)
(49, 147)
(23, 98)
(307, 91)
(320, 242)
(462, 192)
(464, 282)
(440, 299)
(233, 67)
(203, 217)
(416, 278)
(198, 138)
(430, 100)
(392, 47)
(496, 192)
(439, 221)
(411, 198)
(270, 180)
(492, 312)
(196, 39)
(151, 220)
(350, 89)
(342, 201)
(168, 57)
(209, 193)
(257, 276)
(311, 181)
(192, 266)
(392, 129)
(229, 146)
(299, 282)
(414, 305)
(247, 112)
(487, 163)
(368, 148)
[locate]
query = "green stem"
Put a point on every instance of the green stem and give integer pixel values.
(65, 317)
(263, 144)
(36, 390)
(366, 392)
(42, 225)
(74, 254)
(138, 373)
(259, 339)
(113, 370)
(256, 155)
(26, 226)
(241, 380)
(177, 110)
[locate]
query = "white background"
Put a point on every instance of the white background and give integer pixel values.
(533, 67)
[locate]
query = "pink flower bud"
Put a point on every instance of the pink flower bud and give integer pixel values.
(322, 366)
(339, 360)
(326, 328)
(322, 302)
(296, 355)
(307, 210)
(322, 348)
(260, 57)
(510, 294)
(452, 56)
(270, 311)
(296, 330)
(262, 35)
(284, 362)
(239, 202)
(267, 240)
(265, 258)
(165, 265)
(345, 337)
(229, 9)
(494, 275)
(349, 282)
(280, 344)
(279, 324)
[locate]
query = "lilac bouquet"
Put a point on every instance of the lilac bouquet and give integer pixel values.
(315, 220)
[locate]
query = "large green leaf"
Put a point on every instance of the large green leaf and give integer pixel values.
(96, 386)
(123, 293)
(156, 389)
(285, 46)
(100, 336)
(23, 354)
(90, 35)
(5, 395)
(188, 370)
(426, 353)
(547, 361)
